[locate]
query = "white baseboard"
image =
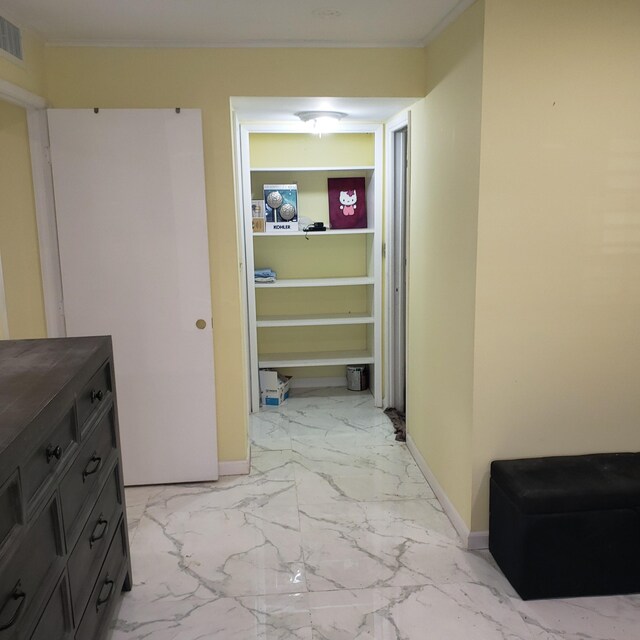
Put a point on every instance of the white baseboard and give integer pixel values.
(236, 467)
(310, 383)
(471, 539)
(478, 540)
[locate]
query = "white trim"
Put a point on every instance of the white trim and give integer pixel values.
(396, 123)
(38, 129)
(236, 44)
(17, 95)
(471, 540)
(478, 540)
(244, 225)
(46, 222)
(236, 467)
(318, 383)
(242, 266)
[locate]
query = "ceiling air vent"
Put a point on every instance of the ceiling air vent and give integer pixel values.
(10, 38)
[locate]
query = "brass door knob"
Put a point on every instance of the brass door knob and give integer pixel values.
(201, 324)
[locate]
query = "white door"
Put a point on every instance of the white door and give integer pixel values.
(131, 217)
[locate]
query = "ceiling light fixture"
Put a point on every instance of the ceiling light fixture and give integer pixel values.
(321, 121)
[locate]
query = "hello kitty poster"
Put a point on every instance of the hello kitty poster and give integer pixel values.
(347, 203)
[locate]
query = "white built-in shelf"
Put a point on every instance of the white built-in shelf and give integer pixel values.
(298, 169)
(315, 320)
(314, 359)
(315, 282)
(319, 234)
(301, 271)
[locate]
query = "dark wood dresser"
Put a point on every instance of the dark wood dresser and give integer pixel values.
(64, 547)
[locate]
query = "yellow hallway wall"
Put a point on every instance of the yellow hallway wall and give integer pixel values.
(206, 79)
(557, 360)
(18, 230)
(445, 165)
(30, 73)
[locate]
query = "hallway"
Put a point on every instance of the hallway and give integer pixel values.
(335, 535)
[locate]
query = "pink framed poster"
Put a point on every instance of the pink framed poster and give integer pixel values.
(347, 203)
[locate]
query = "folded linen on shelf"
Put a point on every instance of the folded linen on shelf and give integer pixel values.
(264, 275)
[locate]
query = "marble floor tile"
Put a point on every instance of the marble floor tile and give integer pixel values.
(329, 472)
(393, 543)
(333, 535)
(270, 483)
(134, 515)
(603, 618)
(227, 552)
(444, 612)
(269, 432)
(247, 618)
(136, 499)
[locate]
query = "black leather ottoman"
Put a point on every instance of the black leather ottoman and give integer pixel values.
(567, 526)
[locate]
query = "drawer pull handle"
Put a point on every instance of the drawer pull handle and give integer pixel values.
(92, 466)
(17, 594)
(98, 536)
(97, 395)
(53, 452)
(101, 600)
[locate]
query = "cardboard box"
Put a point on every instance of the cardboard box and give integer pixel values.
(257, 225)
(274, 387)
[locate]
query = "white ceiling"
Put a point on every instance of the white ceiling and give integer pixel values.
(284, 109)
(244, 23)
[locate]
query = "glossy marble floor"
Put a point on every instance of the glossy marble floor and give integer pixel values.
(334, 535)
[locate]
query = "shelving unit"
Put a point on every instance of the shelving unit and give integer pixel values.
(316, 282)
(324, 311)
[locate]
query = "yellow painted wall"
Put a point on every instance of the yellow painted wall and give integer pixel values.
(29, 73)
(309, 150)
(557, 365)
(18, 230)
(206, 79)
(445, 165)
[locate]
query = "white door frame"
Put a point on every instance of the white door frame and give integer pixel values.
(36, 109)
(241, 133)
(393, 125)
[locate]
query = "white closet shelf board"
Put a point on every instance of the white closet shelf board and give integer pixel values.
(314, 359)
(315, 234)
(316, 282)
(299, 169)
(315, 320)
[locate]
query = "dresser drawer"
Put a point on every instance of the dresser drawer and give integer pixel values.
(47, 457)
(93, 395)
(92, 546)
(83, 476)
(106, 589)
(10, 519)
(55, 622)
(27, 572)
